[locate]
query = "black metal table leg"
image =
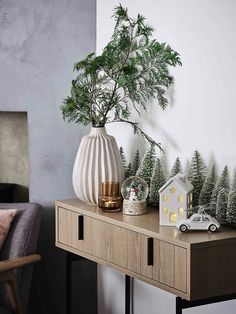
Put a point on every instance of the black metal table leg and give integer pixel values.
(182, 304)
(178, 305)
(68, 283)
(127, 294)
(70, 258)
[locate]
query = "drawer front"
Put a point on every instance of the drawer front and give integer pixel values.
(64, 218)
(82, 232)
(119, 246)
(146, 249)
(154, 259)
(102, 240)
(143, 255)
(133, 251)
(110, 243)
(173, 266)
(75, 230)
(180, 266)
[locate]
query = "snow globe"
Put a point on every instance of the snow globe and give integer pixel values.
(134, 191)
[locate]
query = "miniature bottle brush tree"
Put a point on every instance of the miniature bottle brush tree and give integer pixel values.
(214, 192)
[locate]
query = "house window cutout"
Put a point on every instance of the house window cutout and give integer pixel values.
(172, 190)
(181, 210)
(173, 217)
(165, 198)
(180, 199)
(190, 198)
(165, 210)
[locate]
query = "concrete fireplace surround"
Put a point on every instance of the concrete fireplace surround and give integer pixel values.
(39, 43)
(14, 167)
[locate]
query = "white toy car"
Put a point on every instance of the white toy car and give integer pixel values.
(199, 221)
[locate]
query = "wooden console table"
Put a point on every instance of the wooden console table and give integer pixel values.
(193, 265)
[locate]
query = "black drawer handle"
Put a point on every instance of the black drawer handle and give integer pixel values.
(150, 251)
(80, 227)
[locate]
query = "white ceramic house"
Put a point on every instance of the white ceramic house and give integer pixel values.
(175, 198)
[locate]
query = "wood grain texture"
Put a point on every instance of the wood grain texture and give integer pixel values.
(9, 278)
(145, 269)
(125, 271)
(156, 260)
(102, 240)
(180, 268)
(13, 263)
(64, 225)
(167, 252)
(118, 246)
(87, 243)
(120, 242)
(133, 251)
(148, 224)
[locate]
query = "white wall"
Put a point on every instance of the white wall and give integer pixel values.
(201, 115)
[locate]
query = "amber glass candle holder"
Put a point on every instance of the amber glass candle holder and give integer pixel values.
(109, 198)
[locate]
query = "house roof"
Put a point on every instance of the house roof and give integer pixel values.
(181, 180)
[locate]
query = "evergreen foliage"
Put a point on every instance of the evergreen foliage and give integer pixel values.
(177, 168)
(128, 171)
(216, 194)
(208, 186)
(122, 155)
(222, 184)
(147, 164)
(164, 161)
(231, 206)
(136, 162)
(221, 205)
(158, 179)
(186, 167)
(196, 175)
(132, 68)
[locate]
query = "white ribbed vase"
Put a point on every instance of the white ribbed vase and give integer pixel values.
(97, 160)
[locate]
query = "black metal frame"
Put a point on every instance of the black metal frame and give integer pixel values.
(70, 258)
(127, 294)
(182, 304)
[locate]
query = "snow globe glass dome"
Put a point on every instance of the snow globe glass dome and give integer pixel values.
(134, 191)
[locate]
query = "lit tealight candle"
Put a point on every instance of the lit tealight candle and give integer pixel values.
(110, 204)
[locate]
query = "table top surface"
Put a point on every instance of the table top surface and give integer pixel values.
(148, 224)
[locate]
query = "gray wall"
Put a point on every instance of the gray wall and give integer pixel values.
(40, 41)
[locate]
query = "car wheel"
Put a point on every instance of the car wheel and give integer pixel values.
(212, 228)
(183, 228)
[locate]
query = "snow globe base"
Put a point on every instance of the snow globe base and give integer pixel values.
(134, 208)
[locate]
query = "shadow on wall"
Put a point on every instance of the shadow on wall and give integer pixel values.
(49, 276)
(49, 283)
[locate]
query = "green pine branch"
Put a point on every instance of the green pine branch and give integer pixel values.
(132, 69)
